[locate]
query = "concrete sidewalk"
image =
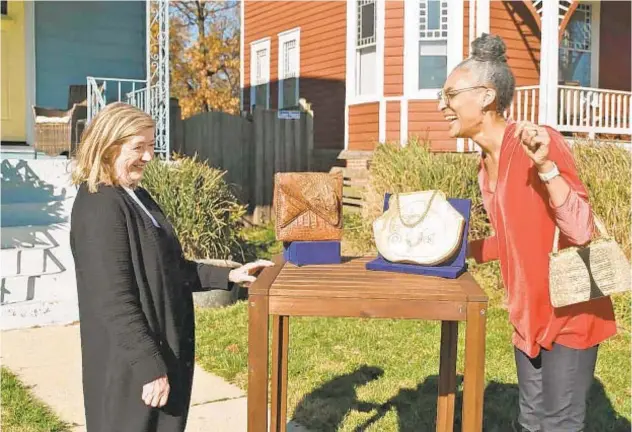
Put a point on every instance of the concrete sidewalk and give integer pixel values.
(48, 360)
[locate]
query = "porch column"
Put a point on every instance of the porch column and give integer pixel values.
(549, 53)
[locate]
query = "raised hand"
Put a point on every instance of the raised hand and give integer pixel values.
(535, 141)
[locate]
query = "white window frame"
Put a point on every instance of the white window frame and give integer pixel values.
(256, 46)
(287, 36)
(411, 47)
(352, 54)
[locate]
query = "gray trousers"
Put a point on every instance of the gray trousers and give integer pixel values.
(553, 388)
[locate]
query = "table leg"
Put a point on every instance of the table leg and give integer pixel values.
(257, 363)
(280, 342)
(474, 379)
(447, 376)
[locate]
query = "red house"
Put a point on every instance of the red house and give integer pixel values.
(371, 69)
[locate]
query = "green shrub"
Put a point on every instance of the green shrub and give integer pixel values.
(200, 205)
(605, 170)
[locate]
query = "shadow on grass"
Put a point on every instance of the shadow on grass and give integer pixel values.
(325, 408)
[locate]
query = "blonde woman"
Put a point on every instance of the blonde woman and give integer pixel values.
(134, 285)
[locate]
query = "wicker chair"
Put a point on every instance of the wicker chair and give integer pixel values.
(53, 131)
(58, 130)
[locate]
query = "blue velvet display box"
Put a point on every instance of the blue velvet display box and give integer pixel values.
(451, 269)
(302, 253)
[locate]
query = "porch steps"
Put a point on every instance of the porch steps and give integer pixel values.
(37, 276)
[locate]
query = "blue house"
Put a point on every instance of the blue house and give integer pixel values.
(56, 55)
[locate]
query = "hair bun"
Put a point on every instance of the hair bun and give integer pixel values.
(490, 48)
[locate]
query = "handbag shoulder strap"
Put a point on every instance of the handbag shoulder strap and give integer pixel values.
(421, 218)
(601, 227)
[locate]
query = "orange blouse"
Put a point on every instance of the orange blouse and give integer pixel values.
(524, 222)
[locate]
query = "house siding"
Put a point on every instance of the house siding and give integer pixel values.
(322, 58)
(363, 126)
(615, 46)
(425, 121)
(394, 48)
(515, 23)
(74, 40)
(393, 117)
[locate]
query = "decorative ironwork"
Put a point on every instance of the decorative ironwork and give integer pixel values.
(564, 7)
(157, 95)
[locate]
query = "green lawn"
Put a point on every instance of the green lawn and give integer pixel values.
(381, 375)
(21, 412)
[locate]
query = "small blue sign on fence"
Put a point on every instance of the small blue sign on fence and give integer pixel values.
(289, 115)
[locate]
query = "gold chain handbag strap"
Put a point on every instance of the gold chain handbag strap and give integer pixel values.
(601, 227)
(423, 216)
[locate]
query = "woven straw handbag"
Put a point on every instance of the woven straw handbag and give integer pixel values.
(579, 274)
(308, 206)
(419, 228)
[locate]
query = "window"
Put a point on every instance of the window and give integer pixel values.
(366, 48)
(433, 44)
(260, 73)
(575, 47)
(289, 65)
(3, 7)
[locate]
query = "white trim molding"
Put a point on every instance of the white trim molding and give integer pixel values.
(284, 37)
(31, 82)
(472, 22)
(403, 122)
(242, 52)
(382, 121)
(482, 17)
(255, 47)
(549, 63)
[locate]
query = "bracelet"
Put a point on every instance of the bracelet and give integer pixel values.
(548, 176)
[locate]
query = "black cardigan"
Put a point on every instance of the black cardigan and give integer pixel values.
(136, 309)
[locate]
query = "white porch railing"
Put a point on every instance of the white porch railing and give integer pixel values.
(590, 110)
(580, 109)
(138, 98)
(102, 91)
(525, 104)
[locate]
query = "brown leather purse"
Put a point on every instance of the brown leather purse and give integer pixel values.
(308, 206)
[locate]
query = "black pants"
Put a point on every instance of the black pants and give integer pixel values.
(554, 387)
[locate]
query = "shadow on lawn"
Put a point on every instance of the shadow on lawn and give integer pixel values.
(325, 408)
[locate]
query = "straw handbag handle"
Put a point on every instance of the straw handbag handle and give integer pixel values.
(598, 223)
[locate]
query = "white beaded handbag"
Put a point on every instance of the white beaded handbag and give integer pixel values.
(419, 228)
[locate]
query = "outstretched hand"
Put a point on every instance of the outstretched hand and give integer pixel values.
(244, 275)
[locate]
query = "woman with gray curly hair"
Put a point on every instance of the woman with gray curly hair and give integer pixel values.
(529, 185)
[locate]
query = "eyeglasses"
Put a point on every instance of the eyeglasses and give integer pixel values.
(445, 96)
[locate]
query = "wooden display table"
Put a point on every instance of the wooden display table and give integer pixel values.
(349, 290)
